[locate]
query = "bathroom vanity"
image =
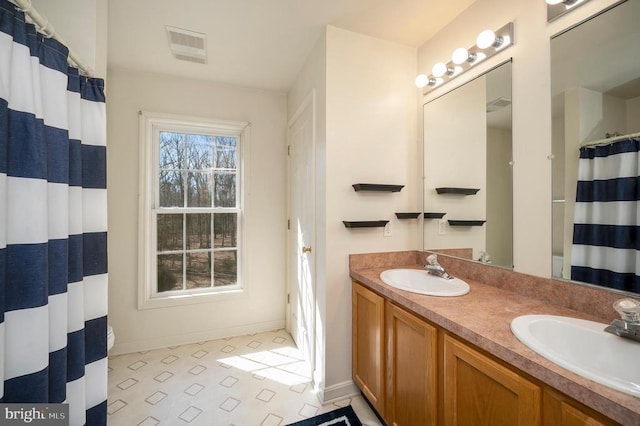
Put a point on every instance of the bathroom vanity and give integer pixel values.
(424, 360)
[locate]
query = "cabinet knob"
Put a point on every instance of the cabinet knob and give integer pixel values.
(306, 250)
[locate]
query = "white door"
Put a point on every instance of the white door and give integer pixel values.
(301, 252)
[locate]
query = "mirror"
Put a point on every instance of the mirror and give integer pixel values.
(468, 207)
(595, 89)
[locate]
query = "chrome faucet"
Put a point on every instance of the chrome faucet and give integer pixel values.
(484, 257)
(434, 268)
(629, 324)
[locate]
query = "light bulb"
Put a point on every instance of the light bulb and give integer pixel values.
(460, 55)
(439, 69)
(485, 39)
(504, 42)
(552, 2)
(421, 81)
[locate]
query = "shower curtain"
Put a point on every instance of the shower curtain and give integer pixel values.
(605, 232)
(53, 263)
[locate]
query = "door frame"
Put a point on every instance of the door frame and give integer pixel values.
(309, 101)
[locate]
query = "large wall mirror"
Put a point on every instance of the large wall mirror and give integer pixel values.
(468, 195)
(595, 89)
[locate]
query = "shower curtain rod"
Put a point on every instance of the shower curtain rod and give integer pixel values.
(610, 140)
(45, 26)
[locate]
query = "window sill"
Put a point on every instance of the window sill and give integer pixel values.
(190, 299)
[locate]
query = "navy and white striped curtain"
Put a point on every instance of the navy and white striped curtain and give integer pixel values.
(53, 203)
(605, 231)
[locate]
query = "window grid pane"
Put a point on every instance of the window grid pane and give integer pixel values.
(170, 272)
(171, 151)
(225, 229)
(198, 231)
(170, 232)
(225, 268)
(171, 189)
(226, 153)
(198, 270)
(199, 189)
(225, 189)
(199, 152)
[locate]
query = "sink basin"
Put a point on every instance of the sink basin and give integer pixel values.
(421, 282)
(583, 347)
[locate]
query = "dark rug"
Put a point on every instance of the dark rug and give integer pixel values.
(344, 416)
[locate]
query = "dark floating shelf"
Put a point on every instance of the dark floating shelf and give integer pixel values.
(458, 191)
(434, 215)
(365, 224)
(377, 187)
(466, 222)
(407, 215)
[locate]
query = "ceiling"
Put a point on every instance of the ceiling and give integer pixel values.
(260, 43)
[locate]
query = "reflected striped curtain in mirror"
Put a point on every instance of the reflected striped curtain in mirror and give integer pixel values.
(605, 244)
(53, 226)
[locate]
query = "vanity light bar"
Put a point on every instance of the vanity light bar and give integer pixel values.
(557, 8)
(487, 44)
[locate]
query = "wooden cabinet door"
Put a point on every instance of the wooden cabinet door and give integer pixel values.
(412, 385)
(480, 392)
(368, 345)
(560, 410)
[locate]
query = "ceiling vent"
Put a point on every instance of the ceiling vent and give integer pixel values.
(187, 45)
(498, 104)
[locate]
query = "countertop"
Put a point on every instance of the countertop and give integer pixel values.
(483, 316)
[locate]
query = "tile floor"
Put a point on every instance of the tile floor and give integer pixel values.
(249, 380)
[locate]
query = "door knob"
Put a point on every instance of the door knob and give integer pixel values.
(306, 250)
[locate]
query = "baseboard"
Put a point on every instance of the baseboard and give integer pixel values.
(120, 348)
(338, 392)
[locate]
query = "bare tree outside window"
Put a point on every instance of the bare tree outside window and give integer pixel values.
(196, 240)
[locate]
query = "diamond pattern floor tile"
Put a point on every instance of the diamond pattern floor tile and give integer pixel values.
(190, 414)
(156, 397)
(149, 421)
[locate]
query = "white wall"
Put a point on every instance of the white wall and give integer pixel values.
(371, 138)
(264, 220)
(531, 107)
(365, 88)
(83, 26)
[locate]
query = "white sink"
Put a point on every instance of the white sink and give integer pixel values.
(583, 347)
(419, 281)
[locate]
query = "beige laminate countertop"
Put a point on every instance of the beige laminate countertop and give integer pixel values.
(483, 316)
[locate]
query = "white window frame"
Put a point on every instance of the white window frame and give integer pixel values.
(150, 126)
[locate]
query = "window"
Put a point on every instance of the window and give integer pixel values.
(191, 209)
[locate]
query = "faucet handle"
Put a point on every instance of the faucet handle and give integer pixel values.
(629, 309)
(432, 259)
